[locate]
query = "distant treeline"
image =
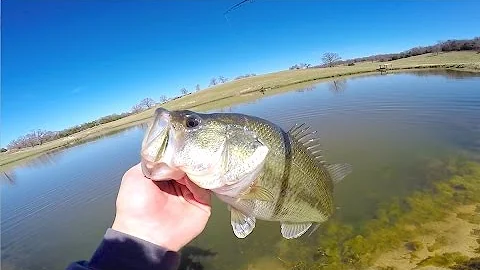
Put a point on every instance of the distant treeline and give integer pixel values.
(39, 137)
(441, 46)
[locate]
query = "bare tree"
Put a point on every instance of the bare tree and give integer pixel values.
(222, 79)
(137, 108)
(476, 42)
(184, 91)
(213, 82)
(330, 58)
(163, 98)
(42, 136)
(31, 139)
(300, 66)
(437, 48)
(147, 103)
(197, 87)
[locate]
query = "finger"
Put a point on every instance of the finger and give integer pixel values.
(134, 174)
(202, 203)
(200, 195)
(135, 171)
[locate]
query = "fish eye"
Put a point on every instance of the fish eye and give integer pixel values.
(191, 121)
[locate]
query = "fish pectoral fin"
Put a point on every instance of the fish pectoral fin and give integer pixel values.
(242, 225)
(258, 193)
(338, 171)
(294, 230)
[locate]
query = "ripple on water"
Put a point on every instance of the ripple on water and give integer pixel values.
(58, 208)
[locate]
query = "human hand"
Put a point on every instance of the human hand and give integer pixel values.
(167, 213)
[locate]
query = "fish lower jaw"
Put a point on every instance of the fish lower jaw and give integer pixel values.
(160, 171)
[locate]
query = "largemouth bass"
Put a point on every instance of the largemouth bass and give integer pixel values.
(254, 166)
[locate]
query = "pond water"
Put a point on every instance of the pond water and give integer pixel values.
(55, 209)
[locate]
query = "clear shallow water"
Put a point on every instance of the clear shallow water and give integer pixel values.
(59, 205)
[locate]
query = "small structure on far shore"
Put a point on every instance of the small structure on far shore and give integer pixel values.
(383, 68)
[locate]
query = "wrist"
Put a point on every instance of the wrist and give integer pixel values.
(119, 250)
(145, 232)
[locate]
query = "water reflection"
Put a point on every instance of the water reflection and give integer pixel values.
(337, 86)
(306, 89)
(8, 178)
(447, 73)
(45, 159)
(224, 109)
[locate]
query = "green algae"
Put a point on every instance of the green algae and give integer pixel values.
(396, 223)
(472, 264)
(446, 259)
(440, 241)
(472, 218)
(414, 245)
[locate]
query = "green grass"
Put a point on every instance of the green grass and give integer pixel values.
(252, 88)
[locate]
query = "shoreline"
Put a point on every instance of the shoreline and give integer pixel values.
(244, 90)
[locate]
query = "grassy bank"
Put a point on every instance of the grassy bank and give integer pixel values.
(247, 89)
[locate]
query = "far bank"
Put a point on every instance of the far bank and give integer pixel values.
(247, 89)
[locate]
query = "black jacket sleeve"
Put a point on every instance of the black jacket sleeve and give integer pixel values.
(121, 251)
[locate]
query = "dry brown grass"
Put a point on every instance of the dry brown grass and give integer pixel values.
(250, 89)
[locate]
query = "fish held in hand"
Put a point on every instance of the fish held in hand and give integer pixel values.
(254, 166)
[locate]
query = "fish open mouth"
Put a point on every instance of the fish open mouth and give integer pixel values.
(156, 139)
(154, 146)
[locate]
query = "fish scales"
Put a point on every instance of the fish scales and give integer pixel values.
(299, 194)
(251, 164)
(305, 192)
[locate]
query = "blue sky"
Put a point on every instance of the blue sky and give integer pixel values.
(68, 62)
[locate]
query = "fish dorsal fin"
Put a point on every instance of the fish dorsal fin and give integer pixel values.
(338, 171)
(303, 135)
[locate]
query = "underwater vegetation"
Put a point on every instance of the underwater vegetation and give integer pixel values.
(470, 217)
(446, 259)
(440, 241)
(472, 264)
(452, 183)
